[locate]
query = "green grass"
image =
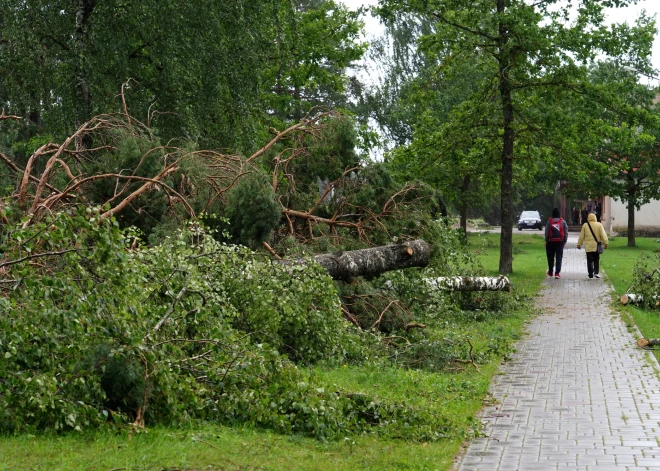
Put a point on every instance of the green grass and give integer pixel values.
(215, 448)
(618, 262)
(455, 395)
(529, 261)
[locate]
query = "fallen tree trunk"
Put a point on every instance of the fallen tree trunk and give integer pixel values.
(648, 342)
(470, 283)
(631, 298)
(373, 261)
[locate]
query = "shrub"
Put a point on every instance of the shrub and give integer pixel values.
(252, 210)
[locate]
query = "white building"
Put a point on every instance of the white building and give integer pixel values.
(615, 216)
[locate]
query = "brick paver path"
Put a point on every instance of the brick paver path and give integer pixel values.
(578, 394)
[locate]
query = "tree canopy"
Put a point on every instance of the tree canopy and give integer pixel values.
(531, 56)
(213, 72)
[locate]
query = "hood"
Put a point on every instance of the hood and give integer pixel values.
(591, 217)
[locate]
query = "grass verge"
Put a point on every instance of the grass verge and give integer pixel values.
(618, 262)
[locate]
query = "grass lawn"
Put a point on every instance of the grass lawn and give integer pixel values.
(215, 448)
(456, 396)
(618, 263)
(529, 261)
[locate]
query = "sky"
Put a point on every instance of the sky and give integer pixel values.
(616, 15)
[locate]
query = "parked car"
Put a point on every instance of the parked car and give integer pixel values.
(530, 220)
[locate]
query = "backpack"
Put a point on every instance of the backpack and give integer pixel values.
(556, 230)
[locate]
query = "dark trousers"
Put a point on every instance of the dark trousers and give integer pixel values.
(554, 250)
(593, 263)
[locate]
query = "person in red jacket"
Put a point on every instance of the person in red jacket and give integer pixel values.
(556, 236)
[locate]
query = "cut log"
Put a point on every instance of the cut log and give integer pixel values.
(470, 283)
(373, 261)
(631, 298)
(648, 342)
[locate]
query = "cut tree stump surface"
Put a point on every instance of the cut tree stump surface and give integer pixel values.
(578, 394)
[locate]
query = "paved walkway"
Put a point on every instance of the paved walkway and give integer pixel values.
(578, 394)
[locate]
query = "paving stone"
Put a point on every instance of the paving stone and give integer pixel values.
(571, 396)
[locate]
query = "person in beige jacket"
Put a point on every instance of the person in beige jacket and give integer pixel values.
(590, 244)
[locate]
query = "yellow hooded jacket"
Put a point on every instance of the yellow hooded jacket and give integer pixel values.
(588, 239)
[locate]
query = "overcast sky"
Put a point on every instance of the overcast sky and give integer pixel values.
(617, 15)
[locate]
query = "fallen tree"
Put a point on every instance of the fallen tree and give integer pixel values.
(631, 298)
(372, 261)
(470, 283)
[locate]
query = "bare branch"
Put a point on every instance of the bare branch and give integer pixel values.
(36, 255)
(4, 116)
(170, 310)
(289, 130)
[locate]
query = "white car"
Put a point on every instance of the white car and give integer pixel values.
(530, 220)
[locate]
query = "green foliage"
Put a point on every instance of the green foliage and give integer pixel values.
(112, 330)
(191, 328)
(317, 43)
(496, 92)
(330, 153)
(252, 210)
(212, 72)
(646, 279)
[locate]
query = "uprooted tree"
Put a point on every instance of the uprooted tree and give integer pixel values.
(304, 189)
(316, 180)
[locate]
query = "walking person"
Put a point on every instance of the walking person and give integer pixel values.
(594, 238)
(556, 235)
(575, 216)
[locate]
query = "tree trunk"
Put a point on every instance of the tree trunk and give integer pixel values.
(373, 261)
(508, 138)
(84, 9)
(648, 342)
(471, 283)
(631, 298)
(464, 206)
(631, 220)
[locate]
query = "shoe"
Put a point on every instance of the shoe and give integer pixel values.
(597, 275)
(557, 275)
(591, 276)
(549, 273)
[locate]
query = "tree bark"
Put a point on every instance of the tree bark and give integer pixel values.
(373, 261)
(84, 10)
(508, 139)
(471, 283)
(464, 206)
(631, 219)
